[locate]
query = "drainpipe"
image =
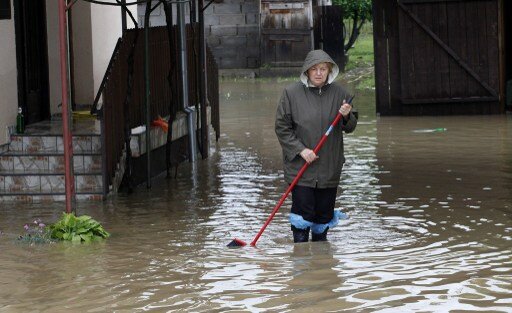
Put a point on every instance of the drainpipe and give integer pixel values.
(147, 92)
(184, 78)
(67, 138)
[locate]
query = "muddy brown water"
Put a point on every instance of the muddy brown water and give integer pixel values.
(429, 201)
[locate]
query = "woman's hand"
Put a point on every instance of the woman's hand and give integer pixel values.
(308, 155)
(345, 109)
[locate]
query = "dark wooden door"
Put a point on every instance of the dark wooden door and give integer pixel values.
(286, 32)
(32, 59)
(329, 35)
(437, 57)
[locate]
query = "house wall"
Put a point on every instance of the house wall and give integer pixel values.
(106, 29)
(96, 29)
(232, 30)
(52, 35)
(83, 53)
(8, 83)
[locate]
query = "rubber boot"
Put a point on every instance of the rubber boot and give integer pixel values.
(300, 235)
(319, 237)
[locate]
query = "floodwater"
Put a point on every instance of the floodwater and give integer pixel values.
(429, 201)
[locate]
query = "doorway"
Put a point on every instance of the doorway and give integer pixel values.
(32, 59)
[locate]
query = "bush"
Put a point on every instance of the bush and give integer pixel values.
(77, 229)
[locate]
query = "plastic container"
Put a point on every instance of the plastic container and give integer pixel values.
(20, 122)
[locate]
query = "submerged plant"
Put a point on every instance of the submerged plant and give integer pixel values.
(35, 232)
(77, 229)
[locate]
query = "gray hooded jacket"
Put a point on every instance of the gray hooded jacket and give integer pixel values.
(303, 115)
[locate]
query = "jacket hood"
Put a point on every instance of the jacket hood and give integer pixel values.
(314, 57)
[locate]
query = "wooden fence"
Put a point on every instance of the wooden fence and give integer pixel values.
(124, 89)
(437, 57)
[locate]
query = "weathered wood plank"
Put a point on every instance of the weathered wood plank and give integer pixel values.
(380, 44)
(407, 70)
(449, 100)
(472, 46)
(442, 60)
(433, 1)
(395, 89)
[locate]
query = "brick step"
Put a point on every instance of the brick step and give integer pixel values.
(48, 161)
(36, 198)
(44, 172)
(43, 184)
(54, 143)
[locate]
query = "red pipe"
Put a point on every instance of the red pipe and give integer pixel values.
(68, 148)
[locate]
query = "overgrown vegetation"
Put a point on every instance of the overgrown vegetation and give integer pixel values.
(356, 14)
(359, 69)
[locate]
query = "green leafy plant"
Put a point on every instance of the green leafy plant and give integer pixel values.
(77, 229)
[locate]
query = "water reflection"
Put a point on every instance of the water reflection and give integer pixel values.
(429, 229)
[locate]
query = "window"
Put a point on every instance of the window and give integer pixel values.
(5, 9)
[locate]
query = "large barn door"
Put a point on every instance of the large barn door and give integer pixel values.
(442, 56)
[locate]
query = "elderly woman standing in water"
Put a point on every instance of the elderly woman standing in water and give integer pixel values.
(304, 113)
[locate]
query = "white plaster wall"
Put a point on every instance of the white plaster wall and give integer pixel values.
(106, 29)
(8, 77)
(82, 53)
(52, 35)
(96, 29)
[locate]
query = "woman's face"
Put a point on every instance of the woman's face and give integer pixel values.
(318, 73)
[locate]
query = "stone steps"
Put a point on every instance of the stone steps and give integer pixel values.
(32, 168)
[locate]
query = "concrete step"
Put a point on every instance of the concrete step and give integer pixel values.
(54, 143)
(38, 198)
(53, 162)
(47, 183)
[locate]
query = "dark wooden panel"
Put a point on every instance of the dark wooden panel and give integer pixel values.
(491, 14)
(444, 58)
(442, 75)
(421, 54)
(283, 25)
(381, 56)
(472, 46)
(406, 55)
(394, 59)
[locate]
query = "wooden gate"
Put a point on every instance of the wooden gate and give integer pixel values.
(286, 32)
(437, 57)
(328, 32)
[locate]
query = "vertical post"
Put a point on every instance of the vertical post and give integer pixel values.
(147, 92)
(68, 141)
(184, 78)
(202, 82)
(502, 62)
(123, 16)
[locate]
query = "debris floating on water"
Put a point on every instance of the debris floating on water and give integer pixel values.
(430, 130)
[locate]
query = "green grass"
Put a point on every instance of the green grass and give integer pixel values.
(361, 55)
(360, 65)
